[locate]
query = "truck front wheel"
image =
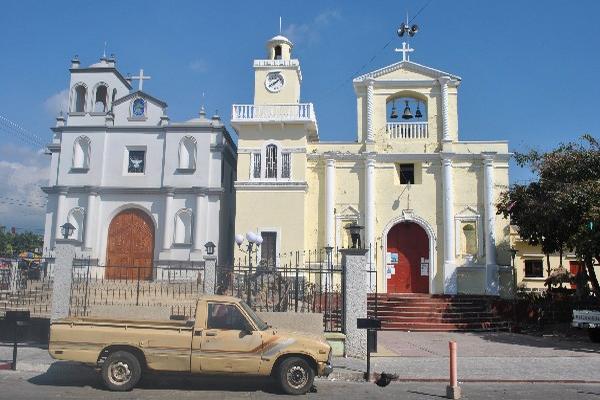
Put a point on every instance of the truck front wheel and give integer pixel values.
(295, 375)
(121, 371)
(594, 334)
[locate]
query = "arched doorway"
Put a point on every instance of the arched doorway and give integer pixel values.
(130, 249)
(407, 267)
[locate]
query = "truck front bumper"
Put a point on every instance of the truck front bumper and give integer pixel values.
(324, 369)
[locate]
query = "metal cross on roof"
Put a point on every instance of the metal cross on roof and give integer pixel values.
(405, 50)
(141, 77)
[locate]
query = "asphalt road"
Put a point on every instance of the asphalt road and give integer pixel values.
(79, 383)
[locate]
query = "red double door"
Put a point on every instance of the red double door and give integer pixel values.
(409, 243)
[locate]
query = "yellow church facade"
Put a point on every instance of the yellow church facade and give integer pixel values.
(425, 199)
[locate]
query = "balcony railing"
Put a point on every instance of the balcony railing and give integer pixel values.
(273, 112)
(407, 130)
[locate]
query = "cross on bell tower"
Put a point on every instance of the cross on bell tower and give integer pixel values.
(405, 50)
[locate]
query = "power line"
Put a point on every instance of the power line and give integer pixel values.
(9, 127)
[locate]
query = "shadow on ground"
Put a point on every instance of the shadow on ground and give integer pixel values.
(555, 339)
(68, 374)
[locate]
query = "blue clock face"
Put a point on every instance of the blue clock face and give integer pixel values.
(138, 107)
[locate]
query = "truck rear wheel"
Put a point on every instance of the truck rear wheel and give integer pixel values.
(121, 371)
(594, 334)
(295, 375)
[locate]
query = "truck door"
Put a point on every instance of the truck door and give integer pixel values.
(229, 343)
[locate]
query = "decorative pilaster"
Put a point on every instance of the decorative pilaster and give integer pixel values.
(198, 225)
(445, 122)
(90, 219)
(60, 211)
(490, 223)
(370, 106)
(330, 202)
(168, 220)
(450, 286)
(370, 205)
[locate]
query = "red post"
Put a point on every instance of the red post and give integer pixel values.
(452, 390)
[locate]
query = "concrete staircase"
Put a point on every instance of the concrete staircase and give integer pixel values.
(435, 313)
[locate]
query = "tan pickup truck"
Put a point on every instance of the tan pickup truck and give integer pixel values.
(226, 337)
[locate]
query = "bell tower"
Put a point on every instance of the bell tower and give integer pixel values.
(277, 78)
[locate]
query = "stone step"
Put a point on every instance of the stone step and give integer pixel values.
(444, 327)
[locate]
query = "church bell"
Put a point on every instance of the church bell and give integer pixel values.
(418, 112)
(394, 113)
(407, 114)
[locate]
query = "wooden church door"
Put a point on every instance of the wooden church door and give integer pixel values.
(130, 249)
(407, 260)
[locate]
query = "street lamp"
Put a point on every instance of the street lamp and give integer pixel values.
(513, 255)
(354, 230)
(253, 239)
(67, 230)
(210, 248)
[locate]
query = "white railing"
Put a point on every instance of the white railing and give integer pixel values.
(273, 112)
(407, 130)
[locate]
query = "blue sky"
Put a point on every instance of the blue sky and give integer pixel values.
(529, 68)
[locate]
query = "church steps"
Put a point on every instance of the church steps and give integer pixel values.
(422, 312)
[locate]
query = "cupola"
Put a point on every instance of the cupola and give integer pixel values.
(279, 48)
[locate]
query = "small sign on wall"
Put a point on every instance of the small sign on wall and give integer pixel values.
(424, 266)
(392, 258)
(389, 271)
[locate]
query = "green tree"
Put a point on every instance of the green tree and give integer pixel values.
(561, 209)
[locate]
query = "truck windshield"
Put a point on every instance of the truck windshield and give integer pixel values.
(260, 324)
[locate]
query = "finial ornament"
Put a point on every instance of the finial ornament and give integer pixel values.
(280, 24)
(405, 50)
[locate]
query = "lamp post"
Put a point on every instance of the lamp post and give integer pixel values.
(253, 239)
(210, 248)
(354, 230)
(67, 230)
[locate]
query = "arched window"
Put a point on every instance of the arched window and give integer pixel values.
(271, 161)
(469, 239)
(183, 226)
(79, 101)
(187, 153)
(76, 217)
(101, 99)
(278, 52)
(81, 152)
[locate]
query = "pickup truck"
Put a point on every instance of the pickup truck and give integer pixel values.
(590, 320)
(225, 337)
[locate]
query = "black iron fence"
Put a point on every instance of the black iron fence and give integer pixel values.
(26, 283)
(299, 284)
(174, 285)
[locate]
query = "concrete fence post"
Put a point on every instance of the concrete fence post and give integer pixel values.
(63, 275)
(356, 288)
(210, 274)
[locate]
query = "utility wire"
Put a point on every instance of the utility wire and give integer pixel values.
(9, 127)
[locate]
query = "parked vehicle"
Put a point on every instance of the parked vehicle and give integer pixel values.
(226, 337)
(590, 320)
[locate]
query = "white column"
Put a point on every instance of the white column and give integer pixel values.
(450, 286)
(370, 106)
(489, 224)
(168, 220)
(445, 123)
(370, 205)
(61, 217)
(330, 202)
(490, 215)
(199, 224)
(90, 219)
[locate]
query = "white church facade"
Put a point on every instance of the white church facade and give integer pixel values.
(139, 189)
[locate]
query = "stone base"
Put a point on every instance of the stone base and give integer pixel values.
(453, 392)
(337, 341)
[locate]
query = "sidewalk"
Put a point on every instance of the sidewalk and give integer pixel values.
(414, 356)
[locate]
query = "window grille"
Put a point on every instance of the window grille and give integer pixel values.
(285, 165)
(271, 161)
(256, 165)
(534, 269)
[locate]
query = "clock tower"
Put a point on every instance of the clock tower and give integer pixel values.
(277, 78)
